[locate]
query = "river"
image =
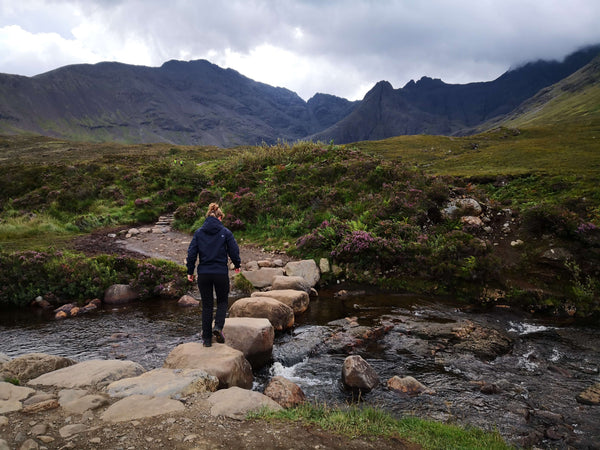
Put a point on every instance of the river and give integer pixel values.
(535, 383)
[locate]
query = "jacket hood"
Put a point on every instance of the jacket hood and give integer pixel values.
(211, 225)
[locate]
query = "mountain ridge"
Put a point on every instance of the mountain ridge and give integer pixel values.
(199, 103)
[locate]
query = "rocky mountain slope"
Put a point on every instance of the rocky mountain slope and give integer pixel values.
(199, 103)
(430, 106)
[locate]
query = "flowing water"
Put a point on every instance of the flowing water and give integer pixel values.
(535, 383)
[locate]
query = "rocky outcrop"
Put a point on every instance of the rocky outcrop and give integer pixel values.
(285, 392)
(227, 364)
(11, 396)
(32, 365)
(252, 336)
(236, 403)
(297, 300)
(140, 406)
(281, 316)
(174, 383)
(95, 373)
(358, 375)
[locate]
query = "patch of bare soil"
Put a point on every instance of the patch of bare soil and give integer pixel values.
(193, 428)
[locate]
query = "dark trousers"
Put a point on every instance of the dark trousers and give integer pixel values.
(206, 284)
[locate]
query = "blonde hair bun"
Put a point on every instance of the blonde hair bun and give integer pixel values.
(214, 211)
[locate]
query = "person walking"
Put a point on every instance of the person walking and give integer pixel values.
(211, 245)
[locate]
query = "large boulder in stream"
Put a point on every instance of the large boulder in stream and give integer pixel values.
(285, 392)
(280, 315)
(297, 300)
(306, 269)
(461, 336)
(252, 336)
(358, 375)
(119, 294)
(227, 364)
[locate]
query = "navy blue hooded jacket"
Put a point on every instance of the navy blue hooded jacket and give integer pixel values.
(212, 244)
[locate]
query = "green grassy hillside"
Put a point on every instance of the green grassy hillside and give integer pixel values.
(373, 208)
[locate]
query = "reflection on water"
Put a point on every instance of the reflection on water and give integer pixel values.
(546, 368)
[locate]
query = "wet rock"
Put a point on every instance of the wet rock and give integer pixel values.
(236, 403)
(489, 389)
(297, 300)
(188, 300)
(353, 336)
(306, 269)
(591, 396)
(95, 372)
(408, 385)
(119, 294)
(358, 375)
(139, 407)
(227, 364)
(291, 282)
(32, 365)
(252, 336)
(285, 392)
(280, 315)
(174, 383)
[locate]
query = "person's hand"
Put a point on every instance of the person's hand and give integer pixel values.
(191, 278)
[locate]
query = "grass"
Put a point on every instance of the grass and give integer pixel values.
(354, 421)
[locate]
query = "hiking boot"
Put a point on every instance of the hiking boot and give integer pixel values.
(218, 334)
(207, 342)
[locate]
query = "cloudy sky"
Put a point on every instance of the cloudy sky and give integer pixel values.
(340, 47)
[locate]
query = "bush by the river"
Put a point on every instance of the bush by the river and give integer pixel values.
(63, 277)
(378, 219)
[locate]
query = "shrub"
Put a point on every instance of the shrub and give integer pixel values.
(156, 277)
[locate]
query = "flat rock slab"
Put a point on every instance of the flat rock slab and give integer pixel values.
(95, 373)
(140, 406)
(236, 403)
(262, 278)
(11, 396)
(32, 365)
(174, 383)
(227, 364)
